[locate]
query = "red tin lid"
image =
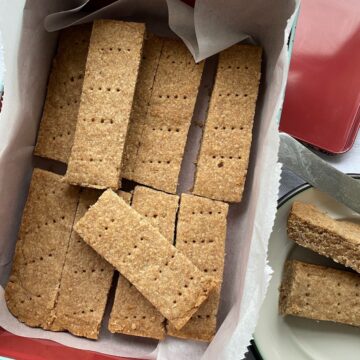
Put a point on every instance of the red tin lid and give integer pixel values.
(322, 100)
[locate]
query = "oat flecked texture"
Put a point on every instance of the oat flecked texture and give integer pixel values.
(57, 127)
(148, 67)
(159, 208)
(315, 230)
(201, 234)
(159, 126)
(132, 313)
(85, 283)
(128, 241)
(320, 293)
(224, 154)
(40, 253)
(111, 73)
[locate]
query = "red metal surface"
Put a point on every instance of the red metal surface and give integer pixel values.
(21, 348)
(323, 92)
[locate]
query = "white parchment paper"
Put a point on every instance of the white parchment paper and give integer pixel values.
(210, 27)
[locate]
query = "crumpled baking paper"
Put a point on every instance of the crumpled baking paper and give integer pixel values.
(208, 28)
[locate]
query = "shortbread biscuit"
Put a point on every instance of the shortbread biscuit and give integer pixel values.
(225, 149)
(111, 73)
(167, 278)
(320, 293)
(201, 234)
(313, 229)
(40, 253)
(58, 123)
(167, 118)
(85, 283)
(132, 313)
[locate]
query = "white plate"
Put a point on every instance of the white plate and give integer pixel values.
(294, 338)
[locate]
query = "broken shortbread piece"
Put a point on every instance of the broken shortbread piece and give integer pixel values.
(201, 234)
(167, 278)
(225, 149)
(58, 123)
(106, 100)
(40, 253)
(320, 293)
(163, 107)
(132, 313)
(313, 229)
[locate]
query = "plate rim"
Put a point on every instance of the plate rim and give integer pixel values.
(281, 201)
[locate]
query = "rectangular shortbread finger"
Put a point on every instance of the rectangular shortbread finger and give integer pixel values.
(111, 73)
(167, 278)
(320, 293)
(313, 229)
(167, 118)
(224, 154)
(201, 234)
(57, 126)
(159, 208)
(148, 67)
(132, 313)
(41, 248)
(85, 282)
